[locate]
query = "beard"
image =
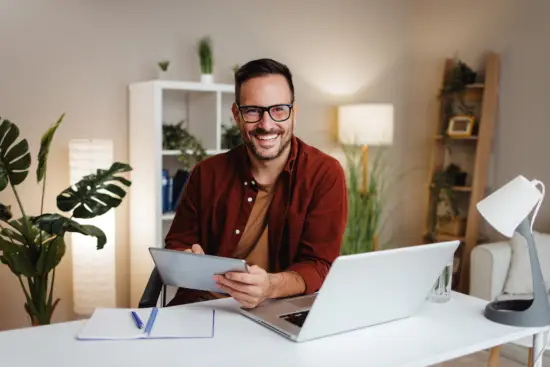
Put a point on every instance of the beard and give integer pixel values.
(283, 140)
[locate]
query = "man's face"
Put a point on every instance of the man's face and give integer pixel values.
(265, 135)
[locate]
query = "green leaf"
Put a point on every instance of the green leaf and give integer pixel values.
(5, 212)
(45, 149)
(95, 194)
(17, 258)
(15, 158)
(51, 255)
(59, 225)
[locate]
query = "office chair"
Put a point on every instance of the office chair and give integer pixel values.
(154, 288)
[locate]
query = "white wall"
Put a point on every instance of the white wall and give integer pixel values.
(79, 56)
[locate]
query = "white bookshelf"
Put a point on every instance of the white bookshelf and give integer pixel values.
(205, 107)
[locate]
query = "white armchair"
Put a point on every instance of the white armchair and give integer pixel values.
(490, 270)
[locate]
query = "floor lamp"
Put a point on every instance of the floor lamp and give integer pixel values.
(94, 283)
(364, 125)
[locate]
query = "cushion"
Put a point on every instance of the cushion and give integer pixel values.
(519, 280)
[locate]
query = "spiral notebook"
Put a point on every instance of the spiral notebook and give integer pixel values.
(158, 323)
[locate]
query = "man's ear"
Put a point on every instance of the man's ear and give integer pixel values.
(235, 111)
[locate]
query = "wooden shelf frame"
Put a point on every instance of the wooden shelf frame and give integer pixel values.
(487, 94)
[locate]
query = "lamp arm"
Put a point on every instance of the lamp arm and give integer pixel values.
(539, 287)
(538, 204)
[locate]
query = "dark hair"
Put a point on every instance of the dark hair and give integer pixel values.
(261, 67)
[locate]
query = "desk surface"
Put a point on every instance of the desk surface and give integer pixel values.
(438, 333)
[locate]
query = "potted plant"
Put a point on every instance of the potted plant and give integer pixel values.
(33, 246)
(206, 59)
(163, 68)
(364, 208)
(231, 137)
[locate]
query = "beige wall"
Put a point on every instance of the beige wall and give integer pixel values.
(78, 57)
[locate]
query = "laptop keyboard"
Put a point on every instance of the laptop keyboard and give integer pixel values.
(296, 318)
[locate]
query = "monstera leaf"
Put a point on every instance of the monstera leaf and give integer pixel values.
(15, 158)
(5, 212)
(59, 225)
(16, 252)
(50, 256)
(95, 194)
(45, 149)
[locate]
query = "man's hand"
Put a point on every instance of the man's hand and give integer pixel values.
(249, 289)
(195, 249)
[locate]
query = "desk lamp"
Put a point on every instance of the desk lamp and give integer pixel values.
(507, 210)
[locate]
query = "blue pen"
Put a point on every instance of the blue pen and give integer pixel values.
(136, 318)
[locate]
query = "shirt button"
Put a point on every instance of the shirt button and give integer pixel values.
(253, 183)
(237, 231)
(249, 200)
(246, 183)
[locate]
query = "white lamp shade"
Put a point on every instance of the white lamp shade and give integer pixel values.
(93, 269)
(507, 207)
(365, 124)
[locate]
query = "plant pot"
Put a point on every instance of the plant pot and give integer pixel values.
(207, 78)
(163, 75)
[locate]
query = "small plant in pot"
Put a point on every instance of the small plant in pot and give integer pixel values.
(33, 246)
(204, 50)
(163, 68)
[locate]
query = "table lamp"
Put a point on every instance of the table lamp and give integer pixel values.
(507, 210)
(365, 124)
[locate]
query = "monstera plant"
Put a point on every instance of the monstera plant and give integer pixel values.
(33, 246)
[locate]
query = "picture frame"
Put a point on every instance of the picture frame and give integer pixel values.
(461, 126)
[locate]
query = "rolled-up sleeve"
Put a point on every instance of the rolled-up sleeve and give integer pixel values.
(324, 227)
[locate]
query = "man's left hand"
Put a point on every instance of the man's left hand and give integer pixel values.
(249, 289)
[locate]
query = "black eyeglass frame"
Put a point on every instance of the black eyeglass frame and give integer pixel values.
(264, 110)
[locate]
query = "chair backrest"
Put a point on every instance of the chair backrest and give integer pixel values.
(152, 291)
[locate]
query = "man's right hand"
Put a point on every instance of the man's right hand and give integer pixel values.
(195, 249)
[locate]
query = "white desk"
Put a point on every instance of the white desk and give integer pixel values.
(440, 332)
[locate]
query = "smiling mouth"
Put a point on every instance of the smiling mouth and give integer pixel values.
(266, 137)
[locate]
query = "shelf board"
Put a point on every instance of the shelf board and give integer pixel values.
(459, 188)
(475, 86)
(168, 216)
(447, 237)
(475, 137)
(208, 152)
(190, 86)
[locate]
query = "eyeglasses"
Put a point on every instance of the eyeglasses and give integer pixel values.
(277, 112)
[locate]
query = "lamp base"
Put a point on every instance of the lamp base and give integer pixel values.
(524, 312)
(517, 312)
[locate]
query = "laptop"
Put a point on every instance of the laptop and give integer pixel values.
(360, 290)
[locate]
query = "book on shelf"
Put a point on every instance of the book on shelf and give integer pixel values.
(172, 189)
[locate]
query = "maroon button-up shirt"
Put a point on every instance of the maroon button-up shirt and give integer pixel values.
(307, 216)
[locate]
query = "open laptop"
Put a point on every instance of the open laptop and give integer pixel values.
(360, 290)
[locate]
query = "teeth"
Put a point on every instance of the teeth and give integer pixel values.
(266, 137)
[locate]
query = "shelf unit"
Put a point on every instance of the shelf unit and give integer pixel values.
(205, 107)
(472, 154)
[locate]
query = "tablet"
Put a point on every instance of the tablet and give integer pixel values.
(187, 270)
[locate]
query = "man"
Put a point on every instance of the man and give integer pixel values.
(274, 201)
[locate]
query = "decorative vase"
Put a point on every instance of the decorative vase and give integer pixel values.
(207, 78)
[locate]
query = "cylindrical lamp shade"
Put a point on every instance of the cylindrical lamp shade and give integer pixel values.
(507, 207)
(93, 269)
(365, 124)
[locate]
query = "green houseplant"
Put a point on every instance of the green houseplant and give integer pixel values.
(33, 246)
(364, 209)
(204, 50)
